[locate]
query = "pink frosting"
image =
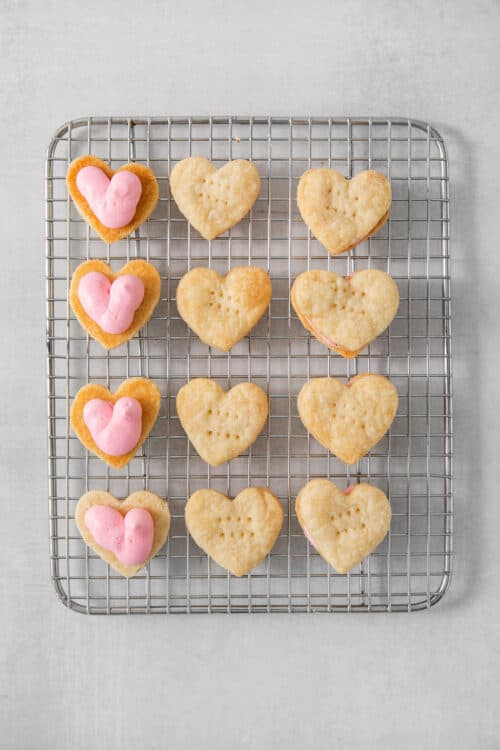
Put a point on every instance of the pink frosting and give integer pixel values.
(130, 539)
(349, 489)
(112, 306)
(116, 429)
(113, 201)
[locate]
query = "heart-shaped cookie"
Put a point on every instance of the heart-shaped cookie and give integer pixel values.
(342, 213)
(214, 200)
(126, 534)
(223, 309)
(112, 203)
(348, 419)
(238, 533)
(343, 526)
(345, 314)
(100, 298)
(115, 419)
(221, 425)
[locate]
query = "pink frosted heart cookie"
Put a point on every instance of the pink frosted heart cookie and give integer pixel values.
(115, 425)
(113, 307)
(114, 203)
(126, 534)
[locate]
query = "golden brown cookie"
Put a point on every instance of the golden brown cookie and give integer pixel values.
(214, 200)
(221, 425)
(345, 314)
(154, 505)
(152, 286)
(343, 526)
(145, 207)
(144, 391)
(342, 213)
(238, 533)
(348, 419)
(223, 309)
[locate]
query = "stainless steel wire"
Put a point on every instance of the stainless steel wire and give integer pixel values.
(411, 569)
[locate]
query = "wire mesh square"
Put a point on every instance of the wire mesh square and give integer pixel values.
(411, 569)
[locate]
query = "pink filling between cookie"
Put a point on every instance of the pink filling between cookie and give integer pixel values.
(308, 536)
(319, 335)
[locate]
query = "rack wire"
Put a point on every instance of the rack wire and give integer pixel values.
(413, 464)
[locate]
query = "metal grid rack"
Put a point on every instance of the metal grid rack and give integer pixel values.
(411, 568)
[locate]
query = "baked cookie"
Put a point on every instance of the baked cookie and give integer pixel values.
(114, 203)
(214, 200)
(345, 314)
(223, 309)
(115, 425)
(342, 213)
(348, 419)
(112, 307)
(238, 533)
(126, 534)
(221, 425)
(343, 526)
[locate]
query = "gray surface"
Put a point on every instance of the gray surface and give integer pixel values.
(425, 679)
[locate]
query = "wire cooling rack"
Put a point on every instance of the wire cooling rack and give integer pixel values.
(412, 464)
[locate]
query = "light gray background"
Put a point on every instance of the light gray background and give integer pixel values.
(384, 681)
